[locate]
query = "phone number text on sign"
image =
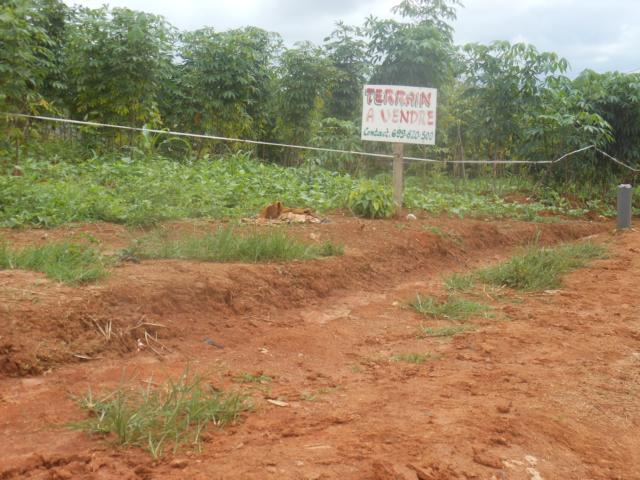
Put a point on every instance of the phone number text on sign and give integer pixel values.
(399, 114)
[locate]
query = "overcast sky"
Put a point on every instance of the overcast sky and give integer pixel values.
(598, 34)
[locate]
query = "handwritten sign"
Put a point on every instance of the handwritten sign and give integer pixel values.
(391, 113)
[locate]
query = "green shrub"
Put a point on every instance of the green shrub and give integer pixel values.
(371, 200)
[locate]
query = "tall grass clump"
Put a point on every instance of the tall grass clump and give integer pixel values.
(156, 418)
(541, 268)
(65, 262)
(229, 245)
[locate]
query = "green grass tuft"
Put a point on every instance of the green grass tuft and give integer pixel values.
(172, 414)
(417, 358)
(454, 237)
(453, 308)
(541, 268)
(250, 378)
(460, 282)
(65, 262)
(444, 331)
(226, 245)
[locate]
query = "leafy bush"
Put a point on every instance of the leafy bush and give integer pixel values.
(372, 200)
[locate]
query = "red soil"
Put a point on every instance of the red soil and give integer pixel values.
(547, 388)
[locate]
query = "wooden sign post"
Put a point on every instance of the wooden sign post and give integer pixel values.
(398, 174)
(399, 115)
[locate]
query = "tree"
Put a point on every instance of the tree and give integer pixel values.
(53, 17)
(419, 52)
(116, 63)
(346, 50)
(225, 80)
(25, 60)
(25, 56)
(503, 83)
(616, 97)
(302, 88)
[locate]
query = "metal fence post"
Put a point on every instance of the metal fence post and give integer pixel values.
(624, 206)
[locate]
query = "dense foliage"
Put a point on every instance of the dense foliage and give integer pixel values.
(144, 191)
(496, 101)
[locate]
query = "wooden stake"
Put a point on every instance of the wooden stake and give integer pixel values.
(398, 163)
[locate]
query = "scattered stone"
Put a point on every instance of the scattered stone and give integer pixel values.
(487, 459)
(387, 471)
(212, 342)
(534, 474)
(278, 403)
(421, 473)
(504, 407)
(179, 463)
(411, 216)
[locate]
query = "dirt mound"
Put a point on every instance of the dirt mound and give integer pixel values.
(148, 305)
(528, 392)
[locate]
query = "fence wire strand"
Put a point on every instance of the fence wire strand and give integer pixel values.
(319, 149)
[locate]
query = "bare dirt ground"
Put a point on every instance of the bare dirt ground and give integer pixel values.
(547, 388)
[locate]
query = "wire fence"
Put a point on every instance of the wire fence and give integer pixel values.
(320, 149)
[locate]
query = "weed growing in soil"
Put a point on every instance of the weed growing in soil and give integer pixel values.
(460, 282)
(65, 262)
(250, 378)
(443, 331)
(417, 358)
(541, 268)
(175, 413)
(455, 238)
(453, 308)
(226, 245)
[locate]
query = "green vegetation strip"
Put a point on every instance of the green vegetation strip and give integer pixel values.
(65, 262)
(541, 268)
(229, 245)
(155, 418)
(149, 190)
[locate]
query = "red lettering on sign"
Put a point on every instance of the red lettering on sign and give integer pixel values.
(370, 92)
(379, 98)
(370, 116)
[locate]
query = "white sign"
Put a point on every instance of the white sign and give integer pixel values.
(391, 113)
